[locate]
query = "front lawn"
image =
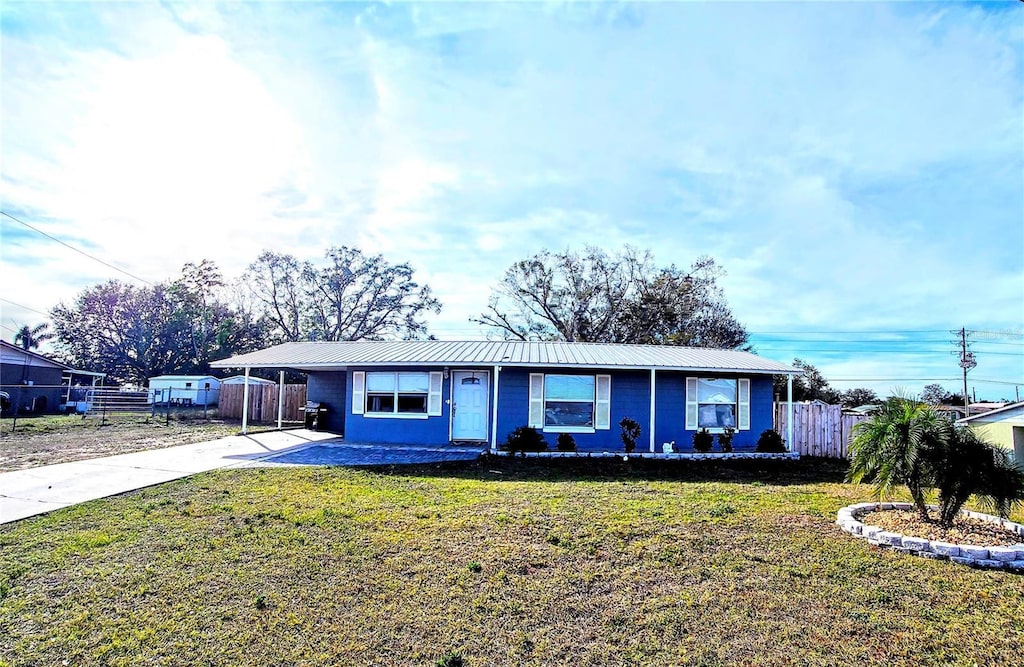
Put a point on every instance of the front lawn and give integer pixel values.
(501, 562)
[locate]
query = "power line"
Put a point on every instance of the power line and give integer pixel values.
(80, 252)
(25, 307)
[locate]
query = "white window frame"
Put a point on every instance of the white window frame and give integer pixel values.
(361, 395)
(601, 403)
(741, 405)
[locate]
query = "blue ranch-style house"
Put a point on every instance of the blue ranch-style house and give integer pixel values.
(441, 392)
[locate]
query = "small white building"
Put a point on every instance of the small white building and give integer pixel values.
(184, 389)
(240, 379)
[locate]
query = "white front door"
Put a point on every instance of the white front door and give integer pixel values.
(469, 405)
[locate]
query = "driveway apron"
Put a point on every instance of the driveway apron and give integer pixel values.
(25, 493)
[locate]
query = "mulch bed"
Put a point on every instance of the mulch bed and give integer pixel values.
(965, 530)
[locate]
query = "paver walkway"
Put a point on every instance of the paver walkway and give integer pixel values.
(25, 493)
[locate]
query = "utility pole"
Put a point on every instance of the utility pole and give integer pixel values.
(967, 362)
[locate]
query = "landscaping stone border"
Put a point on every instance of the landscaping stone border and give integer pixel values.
(677, 456)
(994, 558)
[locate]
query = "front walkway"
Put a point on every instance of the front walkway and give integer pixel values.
(25, 493)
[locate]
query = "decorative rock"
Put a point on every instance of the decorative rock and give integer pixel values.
(975, 552)
(996, 557)
(932, 556)
(916, 543)
(1003, 554)
(895, 539)
(945, 549)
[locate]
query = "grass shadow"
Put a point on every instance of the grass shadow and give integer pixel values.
(807, 470)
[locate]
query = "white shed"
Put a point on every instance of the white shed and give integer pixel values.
(185, 389)
(240, 379)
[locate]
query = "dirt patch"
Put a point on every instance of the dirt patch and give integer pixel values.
(49, 440)
(965, 530)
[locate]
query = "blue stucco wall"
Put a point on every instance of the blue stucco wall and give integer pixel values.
(398, 430)
(331, 389)
(629, 399)
(671, 411)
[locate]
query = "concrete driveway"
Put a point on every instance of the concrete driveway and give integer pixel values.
(25, 493)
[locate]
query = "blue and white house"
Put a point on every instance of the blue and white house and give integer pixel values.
(440, 392)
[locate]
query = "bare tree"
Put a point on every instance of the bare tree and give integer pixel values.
(595, 296)
(352, 297)
(275, 282)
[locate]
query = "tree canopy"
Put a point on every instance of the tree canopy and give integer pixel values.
(352, 296)
(596, 296)
(133, 333)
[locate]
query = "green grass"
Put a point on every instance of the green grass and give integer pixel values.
(503, 562)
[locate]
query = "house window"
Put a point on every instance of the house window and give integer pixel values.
(569, 401)
(716, 403)
(397, 393)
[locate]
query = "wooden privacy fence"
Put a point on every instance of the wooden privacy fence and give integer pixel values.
(262, 402)
(818, 430)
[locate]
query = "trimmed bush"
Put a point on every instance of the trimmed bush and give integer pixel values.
(566, 443)
(703, 441)
(770, 442)
(725, 439)
(630, 433)
(525, 439)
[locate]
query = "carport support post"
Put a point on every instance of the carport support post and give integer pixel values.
(280, 401)
(789, 412)
(651, 437)
(245, 403)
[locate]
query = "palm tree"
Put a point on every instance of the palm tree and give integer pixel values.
(31, 338)
(967, 465)
(893, 448)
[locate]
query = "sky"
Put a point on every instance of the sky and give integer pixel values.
(856, 168)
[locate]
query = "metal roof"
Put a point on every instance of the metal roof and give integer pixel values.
(308, 356)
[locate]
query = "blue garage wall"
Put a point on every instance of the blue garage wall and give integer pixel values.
(331, 389)
(671, 411)
(630, 398)
(398, 430)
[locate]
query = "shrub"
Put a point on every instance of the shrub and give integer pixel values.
(566, 443)
(960, 464)
(725, 439)
(630, 433)
(525, 439)
(450, 660)
(703, 441)
(770, 442)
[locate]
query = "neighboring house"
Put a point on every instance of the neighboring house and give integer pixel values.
(240, 379)
(184, 389)
(37, 384)
(1003, 426)
(436, 392)
(952, 412)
